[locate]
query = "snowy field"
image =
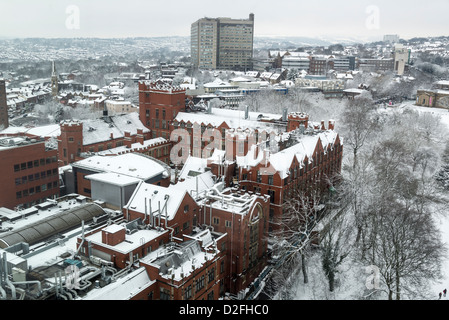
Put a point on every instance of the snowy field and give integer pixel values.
(352, 284)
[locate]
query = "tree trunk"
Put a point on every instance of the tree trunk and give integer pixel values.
(331, 282)
(398, 288)
(304, 268)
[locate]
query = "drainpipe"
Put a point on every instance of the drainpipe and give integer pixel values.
(151, 215)
(39, 285)
(8, 283)
(166, 224)
(146, 211)
(3, 294)
(82, 239)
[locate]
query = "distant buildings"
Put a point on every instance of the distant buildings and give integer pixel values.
(437, 97)
(222, 43)
(391, 38)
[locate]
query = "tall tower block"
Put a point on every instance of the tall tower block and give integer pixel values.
(4, 121)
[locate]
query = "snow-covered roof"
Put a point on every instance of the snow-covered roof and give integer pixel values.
(129, 164)
(233, 118)
(113, 178)
(123, 288)
(168, 199)
(99, 130)
(43, 131)
(135, 147)
(282, 161)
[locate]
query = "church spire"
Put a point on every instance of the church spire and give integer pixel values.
(54, 80)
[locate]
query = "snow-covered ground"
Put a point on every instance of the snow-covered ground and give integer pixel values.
(351, 285)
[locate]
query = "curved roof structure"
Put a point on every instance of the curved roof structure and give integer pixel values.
(50, 226)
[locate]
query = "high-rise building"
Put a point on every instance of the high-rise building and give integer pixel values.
(392, 38)
(4, 122)
(401, 58)
(222, 43)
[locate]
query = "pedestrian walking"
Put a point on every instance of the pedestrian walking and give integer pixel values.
(440, 296)
(444, 292)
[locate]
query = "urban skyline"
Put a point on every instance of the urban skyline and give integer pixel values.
(368, 20)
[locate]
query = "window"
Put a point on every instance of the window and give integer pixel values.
(186, 208)
(216, 220)
(188, 293)
(271, 193)
(228, 224)
(16, 168)
(185, 226)
(211, 275)
(165, 294)
(270, 180)
(199, 284)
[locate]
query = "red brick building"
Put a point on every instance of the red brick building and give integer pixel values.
(97, 135)
(314, 160)
(29, 172)
(194, 244)
(159, 104)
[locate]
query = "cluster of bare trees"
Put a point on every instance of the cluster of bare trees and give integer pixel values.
(384, 212)
(389, 177)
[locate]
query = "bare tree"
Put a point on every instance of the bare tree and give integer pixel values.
(295, 229)
(335, 247)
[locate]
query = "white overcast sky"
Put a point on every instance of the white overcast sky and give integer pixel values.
(152, 18)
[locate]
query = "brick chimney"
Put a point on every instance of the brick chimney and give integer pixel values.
(140, 137)
(128, 140)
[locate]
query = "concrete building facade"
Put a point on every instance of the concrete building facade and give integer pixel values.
(222, 43)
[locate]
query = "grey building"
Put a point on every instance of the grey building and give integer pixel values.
(222, 43)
